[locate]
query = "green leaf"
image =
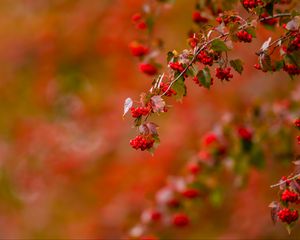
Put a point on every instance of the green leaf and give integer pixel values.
(205, 77)
(269, 8)
(219, 46)
(180, 89)
(237, 65)
(170, 56)
(251, 30)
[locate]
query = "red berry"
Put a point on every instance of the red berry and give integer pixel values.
(176, 66)
(197, 18)
(138, 49)
(297, 123)
(190, 193)
(288, 215)
(289, 196)
(194, 168)
(245, 133)
(180, 220)
(209, 139)
(136, 17)
(141, 25)
(148, 68)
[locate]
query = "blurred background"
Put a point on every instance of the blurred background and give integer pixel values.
(66, 167)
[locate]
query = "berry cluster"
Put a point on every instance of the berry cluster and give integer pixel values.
(141, 142)
(270, 22)
(168, 92)
(295, 43)
(148, 68)
(244, 36)
(291, 69)
(137, 49)
(250, 4)
(288, 215)
(289, 196)
(176, 66)
(198, 18)
(224, 73)
(140, 111)
(139, 22)
(205, 58)
(180, 220)
(227, 19)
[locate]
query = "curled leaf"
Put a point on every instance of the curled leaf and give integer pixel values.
(127, 105)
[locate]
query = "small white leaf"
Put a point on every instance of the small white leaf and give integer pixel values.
(127, 105)
(266, 44)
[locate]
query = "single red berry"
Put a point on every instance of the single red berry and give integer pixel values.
(142, 25)
(297, 123)
(193, 168)
(176, 66)
(289, 196)
(198, 18)
(209, 139)
(180, 220)
(148, 68)
(136, 17)
(155, 216)
(288, 215)
(190, 193)
(245, 133)
(137, 49)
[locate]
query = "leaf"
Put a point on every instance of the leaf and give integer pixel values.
(293, 25)
(143, 129)
(152, 127)
(251, 30)
(219, 46)
(237, 65)
(265, 62)
(204, 77)
(269, 8)
(127, 105)
(158, 104)
(180, 88)
(265, 45)
(275, 207)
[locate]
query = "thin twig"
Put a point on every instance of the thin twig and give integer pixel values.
(284, 181)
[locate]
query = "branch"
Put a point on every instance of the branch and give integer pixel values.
(284, 181)
(279, 15)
